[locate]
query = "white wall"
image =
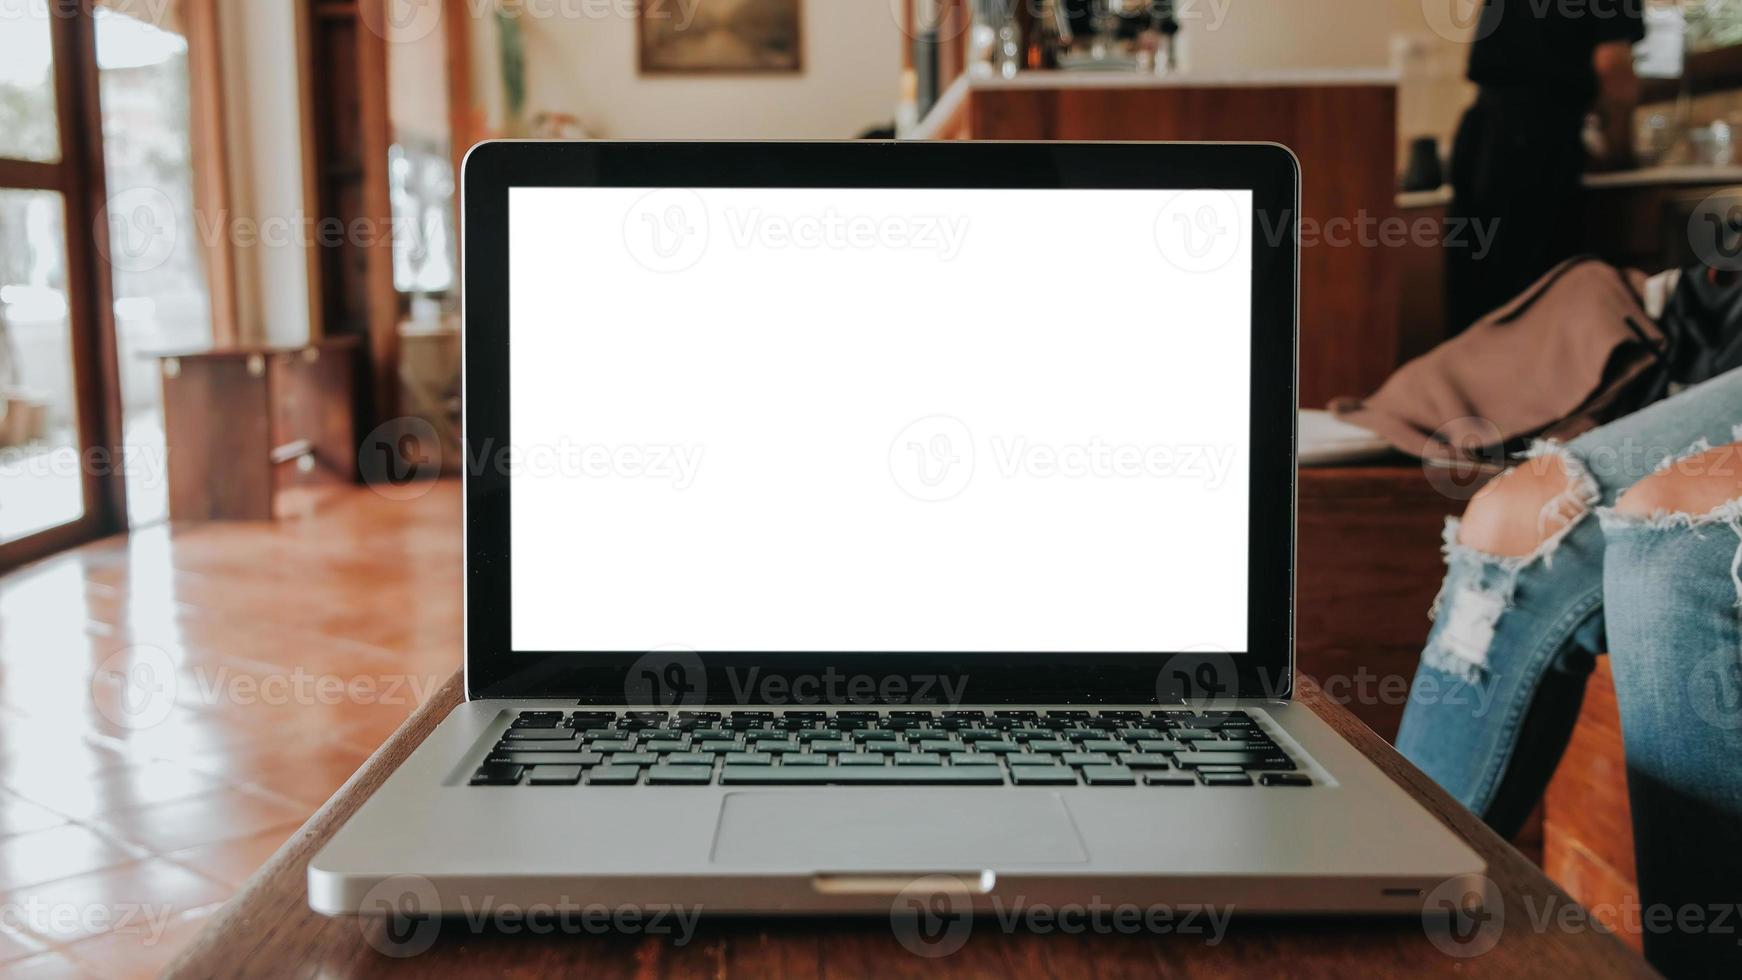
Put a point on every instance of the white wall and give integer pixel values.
(262, 108)
(586, 66)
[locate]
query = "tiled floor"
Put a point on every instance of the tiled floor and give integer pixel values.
(174, 704)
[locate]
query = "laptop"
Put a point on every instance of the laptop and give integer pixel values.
(846, 519)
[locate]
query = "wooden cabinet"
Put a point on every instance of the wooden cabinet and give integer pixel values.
(244, 425)
(1345, 136)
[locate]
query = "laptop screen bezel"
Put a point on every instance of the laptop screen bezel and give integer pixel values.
(1268, 171)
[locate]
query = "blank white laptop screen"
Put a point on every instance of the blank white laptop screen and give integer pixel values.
(879, 420)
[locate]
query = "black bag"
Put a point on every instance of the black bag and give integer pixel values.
(1702, 330)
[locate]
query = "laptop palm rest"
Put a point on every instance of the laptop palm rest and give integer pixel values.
(936, 829)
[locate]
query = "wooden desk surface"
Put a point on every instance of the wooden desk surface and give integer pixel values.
(268, 930)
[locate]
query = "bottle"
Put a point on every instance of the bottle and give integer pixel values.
(1043, 38)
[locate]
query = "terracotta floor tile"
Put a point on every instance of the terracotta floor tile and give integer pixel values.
(126, 787)
(59, 852)
(121, 956)
(16, 945)
(234, 861)
(140, 897)
(225, 815)
(20, 816)
(360, 592)
(48, 966)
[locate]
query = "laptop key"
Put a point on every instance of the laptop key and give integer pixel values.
(498, 774)
(1105, 745)
(608, 746)
(634, 759)
(538, 734)
(555, 775)
(582, 759)
(1144, 760)
(1169, 779)
(1086, 758)
(614, 776)
(1027, 760)
(801, 759)
(861, 776)
(1052, 745)
(972, 759)
(1161, 745)
(1249, 760)
(1108, 776)
(998, 748)
(669, 775)
(916, 759)
(748, 759)
(1224, 779)
(1285, 779)
(572, 745)
(860, 760)
(1043, 775)
(690, 759)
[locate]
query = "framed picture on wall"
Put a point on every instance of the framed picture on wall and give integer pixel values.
(721, 36)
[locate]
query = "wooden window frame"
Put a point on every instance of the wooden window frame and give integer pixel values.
(80, 178)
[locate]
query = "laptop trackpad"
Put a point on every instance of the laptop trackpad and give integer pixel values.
(936, 829)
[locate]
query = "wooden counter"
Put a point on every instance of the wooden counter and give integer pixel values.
(1342, 127)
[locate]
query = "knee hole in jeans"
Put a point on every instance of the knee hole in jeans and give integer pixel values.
(1526, 507)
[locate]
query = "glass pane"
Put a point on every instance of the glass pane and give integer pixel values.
(40, 484)
(28, 130)
(156, 260)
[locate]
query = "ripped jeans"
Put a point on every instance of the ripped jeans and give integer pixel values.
(1504, 668)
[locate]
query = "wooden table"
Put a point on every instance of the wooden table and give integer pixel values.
(268, 930)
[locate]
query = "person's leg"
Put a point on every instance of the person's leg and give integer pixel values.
(1674, 597)
(1521, 611)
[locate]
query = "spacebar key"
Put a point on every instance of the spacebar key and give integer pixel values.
(861, 776)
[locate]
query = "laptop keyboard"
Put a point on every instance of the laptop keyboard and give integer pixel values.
(1165, 747)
